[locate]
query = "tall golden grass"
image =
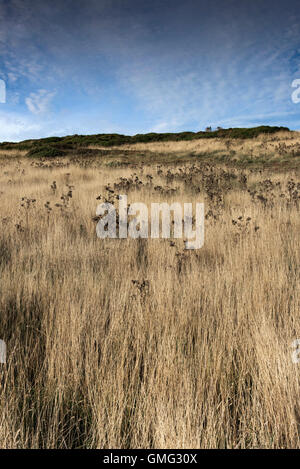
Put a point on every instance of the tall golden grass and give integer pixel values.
(263, 146)
(137, 343)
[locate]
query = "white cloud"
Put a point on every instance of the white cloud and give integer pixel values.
(38, 103)
(14, 128)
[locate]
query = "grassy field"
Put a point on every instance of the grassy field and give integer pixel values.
(140, 343)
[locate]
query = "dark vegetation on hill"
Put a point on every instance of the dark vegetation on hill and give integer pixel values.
(59, 146)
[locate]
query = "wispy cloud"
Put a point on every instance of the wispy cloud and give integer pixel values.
(15, 127)
(230, 69)
(151, 65)
(39, 102)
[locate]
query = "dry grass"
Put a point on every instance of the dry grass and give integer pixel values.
(271, 148)
(138, 344)
(8, 154)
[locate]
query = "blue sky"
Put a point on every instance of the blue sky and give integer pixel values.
(127, 66)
